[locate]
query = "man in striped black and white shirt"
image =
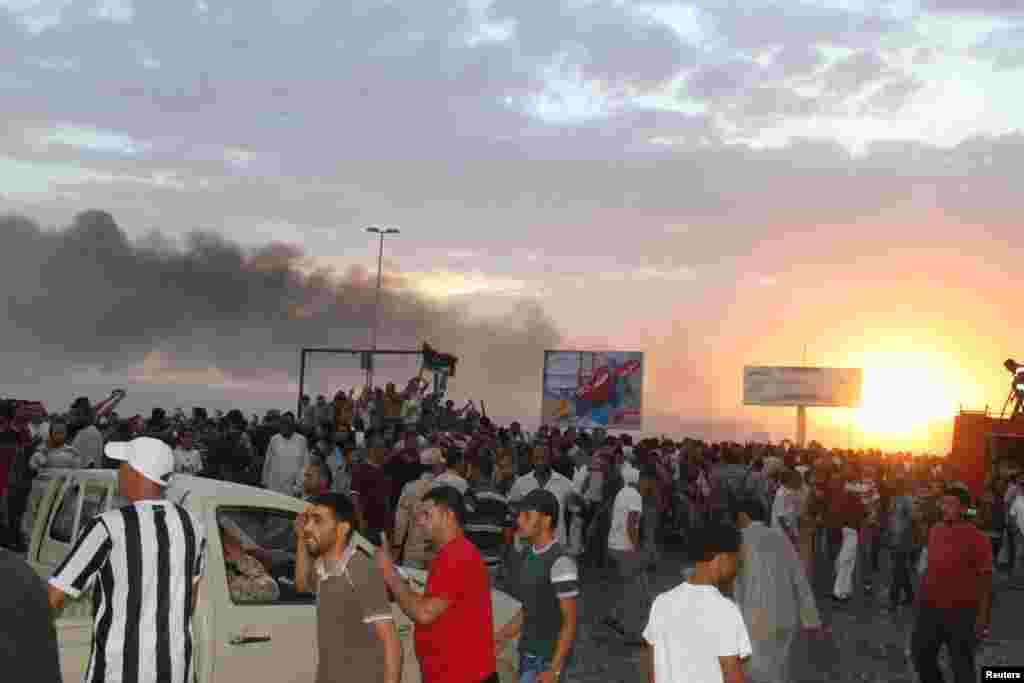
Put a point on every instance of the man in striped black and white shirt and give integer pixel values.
(148, 558)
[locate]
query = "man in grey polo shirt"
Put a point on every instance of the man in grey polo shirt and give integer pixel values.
(545, 579)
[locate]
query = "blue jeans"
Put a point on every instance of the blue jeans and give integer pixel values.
(531, 666)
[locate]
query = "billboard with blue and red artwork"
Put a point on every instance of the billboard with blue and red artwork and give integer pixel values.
(590, 389)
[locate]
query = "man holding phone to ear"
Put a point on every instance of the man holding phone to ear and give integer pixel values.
(352, 602)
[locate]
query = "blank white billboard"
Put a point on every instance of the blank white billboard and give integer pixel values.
(802, 386)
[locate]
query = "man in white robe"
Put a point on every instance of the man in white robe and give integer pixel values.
(773, 594)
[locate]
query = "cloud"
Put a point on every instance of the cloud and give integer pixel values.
(679, 274)
(766, 102)
(296, 88)
(851, 75)
(445, 284)
(1003, 47)
(793, 60)
(722, 80)
(158, 367)
(968, 7)
(768, 23)
(609, 43)
(894, 95)
(775, 103)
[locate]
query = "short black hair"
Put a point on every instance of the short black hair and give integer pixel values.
(453, 457)
(649, 471)
(340, 504)
(713, 539)
(449, 498)
(485, 465)
(752, 508)
(325, 471)
(543, 502)
(960, 494)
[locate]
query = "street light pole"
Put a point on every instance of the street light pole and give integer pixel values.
(376, 306)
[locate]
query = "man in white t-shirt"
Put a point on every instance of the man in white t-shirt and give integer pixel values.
(694, 633)
(631, 563)
(543, 477)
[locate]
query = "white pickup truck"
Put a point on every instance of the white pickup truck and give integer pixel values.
(268, 642)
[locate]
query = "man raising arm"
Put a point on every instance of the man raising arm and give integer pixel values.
(351, 596)
(454, 622)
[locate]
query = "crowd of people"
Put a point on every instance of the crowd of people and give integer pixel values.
(776, 527)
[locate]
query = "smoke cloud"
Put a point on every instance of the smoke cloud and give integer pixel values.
(213, 311)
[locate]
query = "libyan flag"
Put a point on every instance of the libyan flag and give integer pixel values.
(438, 362)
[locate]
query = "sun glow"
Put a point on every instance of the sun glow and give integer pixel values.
(901, 402)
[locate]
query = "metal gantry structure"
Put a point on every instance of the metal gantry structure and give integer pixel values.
(366, 354)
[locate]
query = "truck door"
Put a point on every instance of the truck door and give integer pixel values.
(59, 536)
(262, 633)
(75, 506)
(78, 502)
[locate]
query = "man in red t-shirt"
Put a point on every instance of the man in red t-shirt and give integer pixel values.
(454, 624)
(955, 600)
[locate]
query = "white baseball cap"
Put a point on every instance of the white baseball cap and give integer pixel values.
(150, 457)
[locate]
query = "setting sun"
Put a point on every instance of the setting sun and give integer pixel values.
(901, 402)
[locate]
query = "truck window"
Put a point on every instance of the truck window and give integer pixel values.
(35, 499)
(259, 556)
(92, 504)
(63, 527)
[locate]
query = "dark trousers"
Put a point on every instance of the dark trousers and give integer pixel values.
(901, 560)
(632, 592)
(1011, 547)
(955, 628)
(827, 543)
(876, 550)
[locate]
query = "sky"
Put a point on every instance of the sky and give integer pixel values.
(717, 184)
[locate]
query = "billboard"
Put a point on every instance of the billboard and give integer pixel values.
(590, 389)
(802, 386)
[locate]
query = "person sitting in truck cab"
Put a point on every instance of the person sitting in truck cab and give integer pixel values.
(248, 578)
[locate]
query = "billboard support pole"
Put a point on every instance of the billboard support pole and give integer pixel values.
(801, 426)
(302, 384)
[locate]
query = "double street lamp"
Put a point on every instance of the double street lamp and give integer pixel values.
(381, 232)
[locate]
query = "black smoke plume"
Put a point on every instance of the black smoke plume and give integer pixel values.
(87, 296)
